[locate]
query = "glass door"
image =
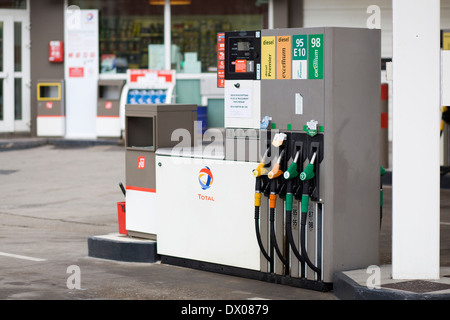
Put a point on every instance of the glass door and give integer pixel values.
(6, 74)
(14, 72)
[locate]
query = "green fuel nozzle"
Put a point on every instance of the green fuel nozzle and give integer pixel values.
(292, 171)
(308, 173)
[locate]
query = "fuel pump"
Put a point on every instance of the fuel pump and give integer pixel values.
(324, 77)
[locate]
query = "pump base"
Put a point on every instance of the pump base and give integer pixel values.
(246, 273)
(360, 285)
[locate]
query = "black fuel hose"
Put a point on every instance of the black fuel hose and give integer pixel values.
(258, 186)
(258, 237)
(273, 239)
(303, 245)
(292, 243)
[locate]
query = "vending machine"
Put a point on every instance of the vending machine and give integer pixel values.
(144, 86)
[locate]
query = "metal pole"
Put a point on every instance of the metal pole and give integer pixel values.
(167, 37)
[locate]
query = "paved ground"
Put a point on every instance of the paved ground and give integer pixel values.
(53, 198)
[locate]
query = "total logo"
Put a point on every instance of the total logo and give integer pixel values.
(205, 179)
(90, 17)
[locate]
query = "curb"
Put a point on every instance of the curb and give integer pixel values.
(21, 144)
(122, 248)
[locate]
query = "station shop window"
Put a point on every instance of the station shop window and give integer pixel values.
(128, 29)
(13, 4)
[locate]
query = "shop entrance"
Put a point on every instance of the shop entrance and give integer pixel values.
(14, 71)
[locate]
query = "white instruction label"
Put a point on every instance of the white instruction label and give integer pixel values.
(298, 103)
(238, 103)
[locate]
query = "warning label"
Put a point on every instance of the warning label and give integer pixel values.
(240, 65)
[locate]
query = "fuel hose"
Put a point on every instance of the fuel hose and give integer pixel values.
(305, 176)
(290, 174)
(257, 212)
(273, 175)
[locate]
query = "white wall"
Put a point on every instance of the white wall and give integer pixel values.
(350, 13)
(353, 13)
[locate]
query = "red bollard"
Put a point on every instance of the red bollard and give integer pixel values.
(121, 213)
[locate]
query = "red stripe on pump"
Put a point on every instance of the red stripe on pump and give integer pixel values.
(384, 91)
(384, 120)
(140, 189)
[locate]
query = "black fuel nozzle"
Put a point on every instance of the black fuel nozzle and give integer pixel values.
(265, 189)
(298, 191)
(282, 189)
(312, 171)
(305, 176)
(289, 175)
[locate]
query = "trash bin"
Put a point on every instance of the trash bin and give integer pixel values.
(108, 108)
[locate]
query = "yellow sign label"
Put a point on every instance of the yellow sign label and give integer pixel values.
(284, 57)
(268, 57)
(446, 41)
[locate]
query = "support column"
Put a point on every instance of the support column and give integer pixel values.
(415, 156)
(167, 36)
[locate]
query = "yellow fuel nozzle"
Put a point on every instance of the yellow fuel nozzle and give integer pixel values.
(260, 170)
